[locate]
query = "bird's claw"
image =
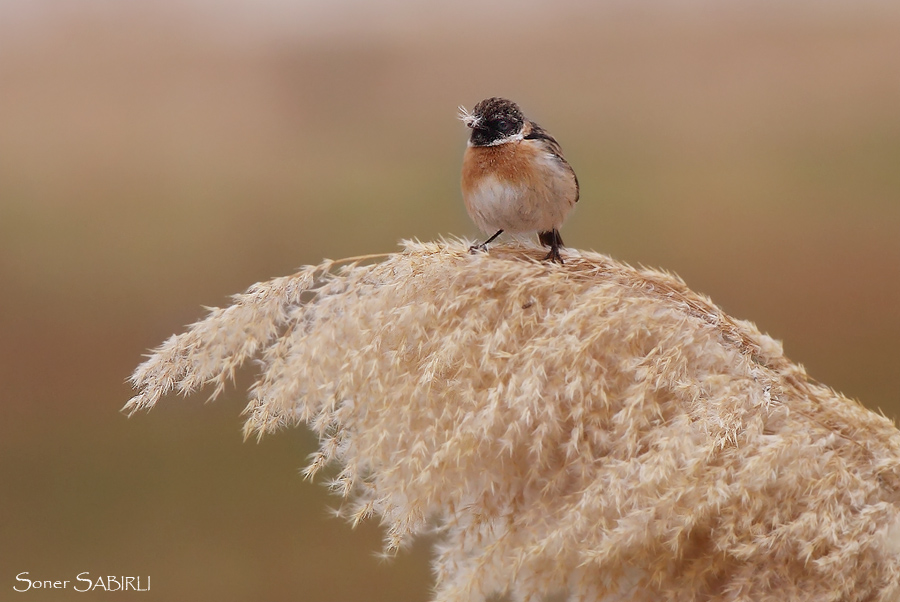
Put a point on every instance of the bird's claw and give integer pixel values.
(554, 256)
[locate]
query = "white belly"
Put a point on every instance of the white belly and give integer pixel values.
(501, 205)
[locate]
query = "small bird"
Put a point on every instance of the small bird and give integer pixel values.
(514, 176)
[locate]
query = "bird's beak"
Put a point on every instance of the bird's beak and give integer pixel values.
(470, 120)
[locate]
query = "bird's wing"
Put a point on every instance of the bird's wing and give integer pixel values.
(539, 133)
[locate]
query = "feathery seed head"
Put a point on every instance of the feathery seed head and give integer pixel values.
(589, 428)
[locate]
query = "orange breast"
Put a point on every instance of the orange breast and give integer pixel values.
(516, 187)
(511, 162)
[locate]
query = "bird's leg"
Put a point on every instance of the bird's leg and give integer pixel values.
(483, 246)
(553, 255)
(553, 240)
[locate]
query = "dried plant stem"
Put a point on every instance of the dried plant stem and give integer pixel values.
(588, 428)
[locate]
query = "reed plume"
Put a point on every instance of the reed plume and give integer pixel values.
(588, 430)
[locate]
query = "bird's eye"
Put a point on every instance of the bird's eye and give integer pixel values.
(502, 125)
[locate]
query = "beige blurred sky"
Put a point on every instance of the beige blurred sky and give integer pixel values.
(316, 19)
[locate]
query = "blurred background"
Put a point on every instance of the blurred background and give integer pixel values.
(158, 156)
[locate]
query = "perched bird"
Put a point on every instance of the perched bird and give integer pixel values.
(514, 176)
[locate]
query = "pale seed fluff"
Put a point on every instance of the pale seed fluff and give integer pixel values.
(468, 118)
(586, 431)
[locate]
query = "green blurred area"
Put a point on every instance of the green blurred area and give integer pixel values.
(146, 170)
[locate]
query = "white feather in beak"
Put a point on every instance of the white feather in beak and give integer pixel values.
(470, 120)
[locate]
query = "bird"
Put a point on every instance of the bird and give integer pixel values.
(514, 176)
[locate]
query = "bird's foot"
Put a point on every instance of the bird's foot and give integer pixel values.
(554, 256)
